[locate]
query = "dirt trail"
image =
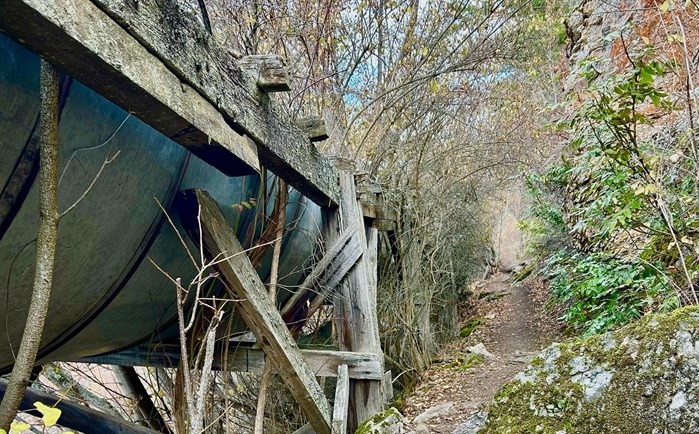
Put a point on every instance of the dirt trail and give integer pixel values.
(515, 330)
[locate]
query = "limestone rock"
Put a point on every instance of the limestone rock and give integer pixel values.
(432, 412)
(386, 422)
(640, 379)
(480, 350)
(473, 424)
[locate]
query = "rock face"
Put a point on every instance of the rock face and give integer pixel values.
(639, 379)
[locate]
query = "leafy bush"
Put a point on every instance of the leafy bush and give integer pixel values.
(617, 216)
(601, 291)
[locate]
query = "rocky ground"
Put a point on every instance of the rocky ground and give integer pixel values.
(509, 328)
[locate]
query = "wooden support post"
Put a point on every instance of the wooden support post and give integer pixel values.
(355, 302)
(342, 391)
(388, 386)
(255, 306)
(78, 417)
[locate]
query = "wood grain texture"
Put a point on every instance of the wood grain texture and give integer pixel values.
(314, 127)
(256, 308)
(342, 391)
(355, 302)
(323, 363)
(268, 70)
(325, 275)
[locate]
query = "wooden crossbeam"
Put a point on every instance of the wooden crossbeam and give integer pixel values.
(323, 363)
(342, 393)
(326, 274)
(255, 306)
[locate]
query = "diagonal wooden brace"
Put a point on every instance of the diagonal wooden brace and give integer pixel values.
(255, 307)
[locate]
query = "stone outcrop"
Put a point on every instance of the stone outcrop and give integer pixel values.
(639, 379)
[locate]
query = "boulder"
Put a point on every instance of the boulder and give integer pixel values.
(639, 379)
(387, 422)
(480, 350)
(435, 411)
(473, 424)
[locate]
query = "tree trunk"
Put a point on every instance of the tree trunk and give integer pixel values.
(45, 248)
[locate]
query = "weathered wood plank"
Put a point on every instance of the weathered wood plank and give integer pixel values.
(323, 363)
(342, 391)
(306, 429)
(133, 388)
(175, 36)
(78, 417)
(255, 306)
(327, 273)
(373, 203)
(388, 386)
(314, 127)
(82, 40)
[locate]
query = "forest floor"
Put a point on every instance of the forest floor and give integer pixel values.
(512, 325)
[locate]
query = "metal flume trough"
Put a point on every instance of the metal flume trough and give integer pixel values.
(107, 296)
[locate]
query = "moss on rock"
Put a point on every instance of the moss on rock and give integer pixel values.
(387, 422)
(639, 379)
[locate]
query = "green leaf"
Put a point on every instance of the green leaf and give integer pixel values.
(18, 427)
(50, 415)
(665, 6)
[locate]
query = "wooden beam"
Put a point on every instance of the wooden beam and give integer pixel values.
(82, 40)
(323, 363)
(133, 388)
(306, 429)
(373, 203)
(342, 391)
(255, 307)
(173, 34)
(268, 70)
(76, 416)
